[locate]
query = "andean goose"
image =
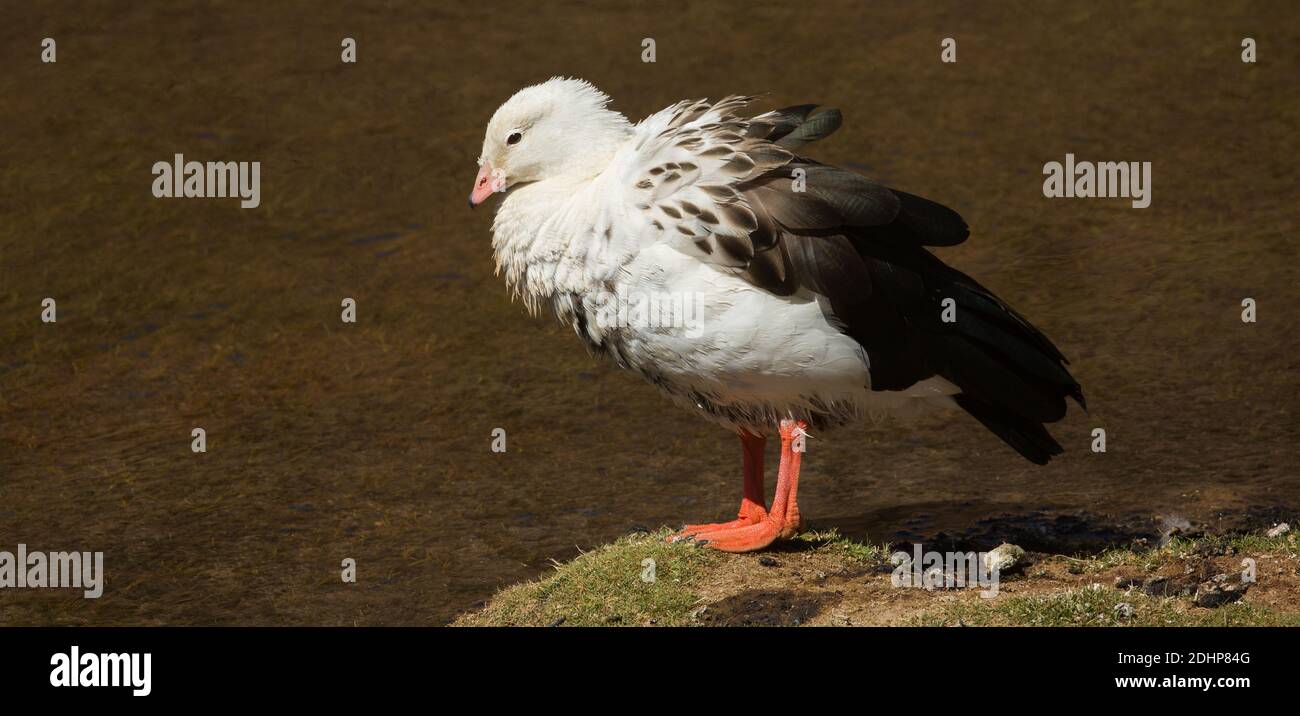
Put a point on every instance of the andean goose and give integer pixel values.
(818, 300)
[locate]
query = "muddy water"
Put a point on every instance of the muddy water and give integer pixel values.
(371, 440)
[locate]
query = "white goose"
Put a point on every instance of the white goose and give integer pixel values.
(795, 294)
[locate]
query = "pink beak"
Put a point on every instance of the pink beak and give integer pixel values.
(483, 185)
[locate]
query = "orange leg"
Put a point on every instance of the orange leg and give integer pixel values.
(752, 508)
(790, 459)
(781, 521)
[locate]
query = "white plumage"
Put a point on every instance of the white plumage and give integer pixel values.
(756, 287)
(625, 212)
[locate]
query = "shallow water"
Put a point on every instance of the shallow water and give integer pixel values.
(372, 440)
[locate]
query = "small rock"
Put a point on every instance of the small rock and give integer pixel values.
(1211, 595)
(1205, 549)
(1005, 559)
(767, 561)
(699, 613)
(1128, 582)
(1174, 526)
(1169, 587)
(1278, 530)
(1124, 610)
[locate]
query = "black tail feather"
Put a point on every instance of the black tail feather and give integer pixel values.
(1012, 378)
(1025, 436)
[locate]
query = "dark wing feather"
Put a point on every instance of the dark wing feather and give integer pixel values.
(793, 127)
(730, 191)
(819, 126)
(929, 223)
(862, 246)
(778, 123)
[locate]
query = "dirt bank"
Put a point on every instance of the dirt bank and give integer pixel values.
(827, 580)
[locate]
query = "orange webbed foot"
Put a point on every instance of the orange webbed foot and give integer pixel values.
(756, 527)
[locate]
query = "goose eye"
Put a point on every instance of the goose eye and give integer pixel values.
(514, 138)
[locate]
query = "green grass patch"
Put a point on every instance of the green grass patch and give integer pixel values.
(1099, 606)
(1180, 548)
(606, 587)
(831, 542)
